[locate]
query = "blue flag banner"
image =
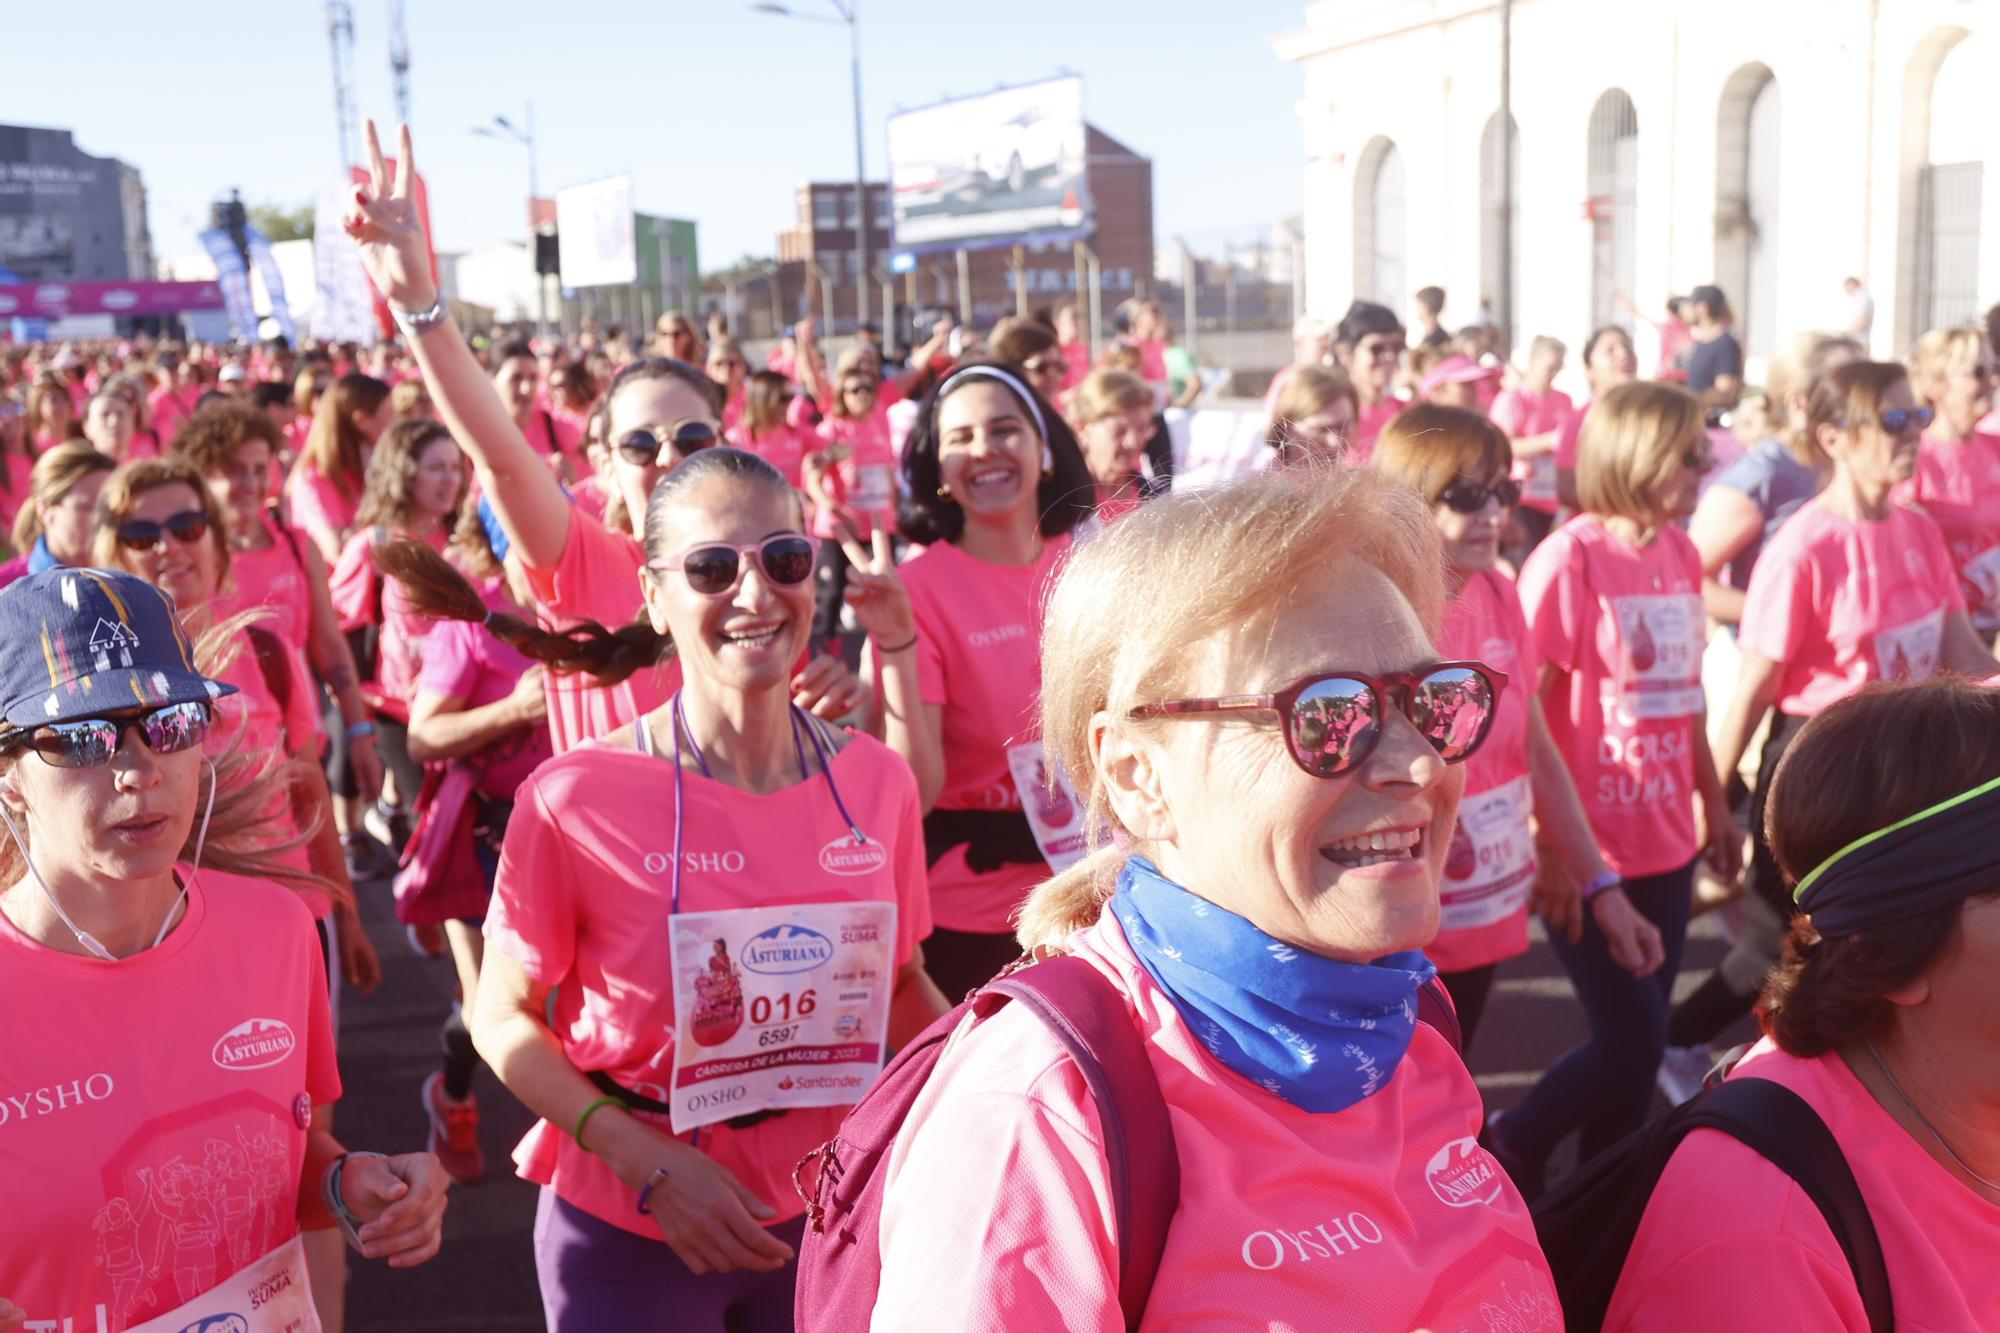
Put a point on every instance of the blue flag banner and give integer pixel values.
(234, 277)
(274, 283)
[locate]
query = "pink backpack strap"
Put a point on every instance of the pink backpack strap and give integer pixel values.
(1090, 1017)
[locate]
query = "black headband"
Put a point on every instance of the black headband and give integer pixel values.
(1940, 855)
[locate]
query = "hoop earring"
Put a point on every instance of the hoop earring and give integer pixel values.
(944, 494)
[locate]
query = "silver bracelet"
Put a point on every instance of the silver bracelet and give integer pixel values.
(421, 321)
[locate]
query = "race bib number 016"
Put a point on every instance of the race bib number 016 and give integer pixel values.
(778, 1007)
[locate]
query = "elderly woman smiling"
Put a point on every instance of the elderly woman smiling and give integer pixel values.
(1273, 746)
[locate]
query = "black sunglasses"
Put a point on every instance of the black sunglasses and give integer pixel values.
(90, 742)
(1333, 720)
(143, 534)
(1898, 419)
(643, 447)
(1465, 497)
(715, 568)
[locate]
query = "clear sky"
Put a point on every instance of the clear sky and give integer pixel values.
(715, 111)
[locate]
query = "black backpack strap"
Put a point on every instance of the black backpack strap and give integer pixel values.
(1782, 1127)
(1434, 1008)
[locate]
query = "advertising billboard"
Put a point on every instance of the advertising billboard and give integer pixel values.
(64, 213)
(595, 234)
(996, 169)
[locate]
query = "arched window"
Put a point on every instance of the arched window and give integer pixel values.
(1746, 204)
(1941, 178)
(1379, 236)
(1491, 204)
(1614, 199)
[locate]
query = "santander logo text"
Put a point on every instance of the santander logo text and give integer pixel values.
(845, 856)
(255, 1043)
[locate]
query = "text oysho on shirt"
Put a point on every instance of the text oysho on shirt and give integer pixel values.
(1385, 1215)
(154, 1111)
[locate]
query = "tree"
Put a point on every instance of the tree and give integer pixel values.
(279, 223)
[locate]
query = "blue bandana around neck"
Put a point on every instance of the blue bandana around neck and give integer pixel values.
(41, 558)
(1319, 1033)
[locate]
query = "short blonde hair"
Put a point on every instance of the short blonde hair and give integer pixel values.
(1934, 354)
(1105, 392)
(1116, 635)
(1631, 446)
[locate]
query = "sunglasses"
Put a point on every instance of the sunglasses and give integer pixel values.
(1899, 419)
(1046, 367)
(715, 569)
(142, 534)
(1463, 497)
(90, 742)
(643, 447)
(1333, 720)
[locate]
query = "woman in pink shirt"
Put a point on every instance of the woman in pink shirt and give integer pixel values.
(1072, 341)
(324, 491)
(1608, 361)
(728, 367)
(1533, 413)
(1315, 418)
(109, 424)
(1369, 345)
(1881, 1017)
(1613, 601)
(517, 378)
(1458, 461)
(1853, 589)
(159, 1171)
(17, 461)
(52, 415)
(854, 474)
(1957, 482)
(994, 485)
(1274, 809)
(657, 413)
(763, 429)
(727, 900)
(1113, 416)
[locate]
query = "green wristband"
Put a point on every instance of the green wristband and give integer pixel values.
(592, 1110)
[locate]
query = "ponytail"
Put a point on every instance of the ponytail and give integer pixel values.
(1072, 900)
(436, 589)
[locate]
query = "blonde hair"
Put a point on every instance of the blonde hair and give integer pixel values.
(1427, 447)
(1631, 446)
(1115, 635)
(55, 475)
(136, 478)
(1310, 391)
(1793, 375)
(1106, 392)
(1934, 354)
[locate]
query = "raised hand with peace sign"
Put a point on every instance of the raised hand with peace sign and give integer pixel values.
(383, 223)
(881, 603)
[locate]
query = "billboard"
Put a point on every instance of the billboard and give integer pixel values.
(595, 234)
(1000, 168)
(64, 214)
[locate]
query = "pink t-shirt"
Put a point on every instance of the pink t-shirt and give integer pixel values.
(465, 662)
(979, 631)
(1076, 356)
(1958, 485)
(784, 448)
(596, 578)
(1491, 865)
(1386, 1215)
(1572, 429)
(168, 407)
(273, 580)
(144, 1161)
(582, 901)
(1524, 414)
(20, 473)
(1731, 1244)
(1370, 425)
(315, 506)
(1839, 604)
(1626, 625)
(865, 480)
(1152, 361)
(404, 629)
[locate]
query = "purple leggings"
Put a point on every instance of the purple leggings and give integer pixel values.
(596, 1277)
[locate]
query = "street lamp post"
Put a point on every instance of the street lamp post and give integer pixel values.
(503, 128)
(850, 15)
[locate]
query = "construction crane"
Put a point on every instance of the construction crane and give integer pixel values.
(340, 36)
(399, 60)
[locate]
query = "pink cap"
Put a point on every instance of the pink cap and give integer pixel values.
(1456, 370)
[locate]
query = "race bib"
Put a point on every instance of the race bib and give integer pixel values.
(874, 488)
(1910, 652)
(1981, 576)
(1659, 667)
(272, 1295)
(1055, 815)
(1539, 481)
(1491, 865)
(778, 1006)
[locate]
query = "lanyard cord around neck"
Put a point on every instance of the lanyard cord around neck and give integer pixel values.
(682, 732)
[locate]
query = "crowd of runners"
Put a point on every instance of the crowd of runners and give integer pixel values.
(725, 725)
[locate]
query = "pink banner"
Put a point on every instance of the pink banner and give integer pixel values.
(53, 300)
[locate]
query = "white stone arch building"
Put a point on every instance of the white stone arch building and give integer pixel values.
(1775, 147)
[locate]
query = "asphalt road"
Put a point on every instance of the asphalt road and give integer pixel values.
(485, 1277)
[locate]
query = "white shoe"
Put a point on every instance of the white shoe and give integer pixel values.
(1683, 1071)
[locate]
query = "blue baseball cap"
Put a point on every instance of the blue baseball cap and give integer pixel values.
(78, 643)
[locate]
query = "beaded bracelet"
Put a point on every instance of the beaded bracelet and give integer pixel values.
(591, 1110)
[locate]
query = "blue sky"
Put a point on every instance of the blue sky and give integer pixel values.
(716, 112)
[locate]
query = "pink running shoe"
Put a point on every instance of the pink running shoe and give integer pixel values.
(454, 1137)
